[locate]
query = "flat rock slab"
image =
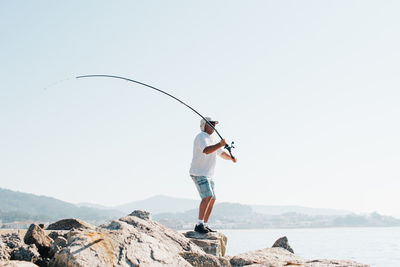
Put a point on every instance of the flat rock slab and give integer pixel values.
(17, 264)
(205, 260)
(267, 257)
(213, 243)
(334, 263)
(281, 257)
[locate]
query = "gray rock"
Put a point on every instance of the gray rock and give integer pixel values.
(239, 261)
(54, 234)
(267, 257)
(9, 242)
(59, 243)
(131, 241)
(283, 243)
(36, 235)
(25, 253)
(4, 252)
(204, 260)
(142, 214)
(12, 240)
(212, 243)
(17, 264)
(160, 232)
(69, 224)
(42, 262)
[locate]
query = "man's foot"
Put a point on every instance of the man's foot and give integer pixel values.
(209, 229)
(201, 229)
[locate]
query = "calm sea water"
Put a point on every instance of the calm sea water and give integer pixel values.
(378, 247)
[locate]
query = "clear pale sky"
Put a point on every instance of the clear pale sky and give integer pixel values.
(308, 90)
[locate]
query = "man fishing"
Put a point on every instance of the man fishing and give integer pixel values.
(205, 151)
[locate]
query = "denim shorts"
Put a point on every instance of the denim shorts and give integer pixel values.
(204, 185)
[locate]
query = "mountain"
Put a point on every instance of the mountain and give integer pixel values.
(23, 206)
(160, 204)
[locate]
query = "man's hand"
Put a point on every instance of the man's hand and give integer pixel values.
(234, 159)
(222, 143)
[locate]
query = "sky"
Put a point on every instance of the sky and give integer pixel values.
(308, 90)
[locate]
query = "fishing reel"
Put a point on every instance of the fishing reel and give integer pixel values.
(229, 147)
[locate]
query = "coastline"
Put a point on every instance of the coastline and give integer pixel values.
(172, 248)
(372, 245)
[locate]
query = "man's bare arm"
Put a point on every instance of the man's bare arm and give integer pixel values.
(226, 156)
(213, 148)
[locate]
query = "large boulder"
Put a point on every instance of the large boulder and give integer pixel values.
(69, 224)
(130, 241)
(36, 235)
(212, 243)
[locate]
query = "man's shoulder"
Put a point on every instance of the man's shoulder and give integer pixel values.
(202, 135)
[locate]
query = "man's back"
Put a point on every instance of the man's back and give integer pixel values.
(203, 164)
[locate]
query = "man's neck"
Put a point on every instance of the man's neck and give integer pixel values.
(209, 133)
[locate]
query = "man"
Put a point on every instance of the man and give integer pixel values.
(205, 151)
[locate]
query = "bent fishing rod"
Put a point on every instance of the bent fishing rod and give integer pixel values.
(227, 147)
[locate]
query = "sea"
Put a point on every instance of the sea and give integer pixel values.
(376, 246)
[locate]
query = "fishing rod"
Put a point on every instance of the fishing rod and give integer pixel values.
(227, 147)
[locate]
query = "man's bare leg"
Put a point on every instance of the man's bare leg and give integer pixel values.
(203, 207)
(209, 210)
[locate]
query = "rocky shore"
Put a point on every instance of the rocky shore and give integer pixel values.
(136, 240)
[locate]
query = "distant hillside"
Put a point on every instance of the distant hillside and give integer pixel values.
(276, 210)
(238, 216)
(91, 205)
(160, 204)
(167, 204)
(180, 213)
(23, 206)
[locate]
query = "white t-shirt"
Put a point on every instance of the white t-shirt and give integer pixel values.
(203, 164)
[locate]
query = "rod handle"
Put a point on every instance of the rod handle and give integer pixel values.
(229, 148)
